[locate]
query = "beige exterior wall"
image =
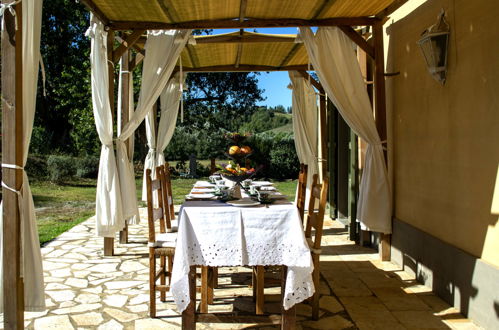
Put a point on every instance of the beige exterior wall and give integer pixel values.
(445, 139)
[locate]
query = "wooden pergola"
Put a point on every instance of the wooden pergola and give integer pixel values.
(127, 20)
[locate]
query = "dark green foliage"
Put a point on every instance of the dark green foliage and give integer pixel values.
(66, 110)
(284, 163)
(201, 170)
(61, 168)
(36, 167)
(39, 144)
(87, 167)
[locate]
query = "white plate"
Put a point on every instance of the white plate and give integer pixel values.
(262, 183)
(203, 184)
(202, 190)
(199, 196)
(243, 203)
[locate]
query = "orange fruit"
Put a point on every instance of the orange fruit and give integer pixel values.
(245, 150)
(234, 150)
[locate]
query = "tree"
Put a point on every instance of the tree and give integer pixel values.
(65, 111)
(223, 100)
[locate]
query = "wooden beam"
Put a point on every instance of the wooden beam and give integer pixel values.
(324, 8)
(239, 51)
(390, 9)
(323, 131)
(135, 61)
(380, 113)
(96, 11)
(125, 116)
(314, 82)
(242, 9)
(358, 39)
(109, 241)
(290, 55)
(128, 42)
(244, 68)
(249, 23)
(167, 11)
(12, 153)
(246, 38)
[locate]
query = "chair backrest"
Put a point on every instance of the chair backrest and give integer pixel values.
(169, 193)
(315, 218)
(154, 186)
(302, 190)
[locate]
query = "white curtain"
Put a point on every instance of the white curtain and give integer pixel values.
(170, 99)
(162, 52)
(108, 203)
(31, 263)
(332, 54)
(305, 125)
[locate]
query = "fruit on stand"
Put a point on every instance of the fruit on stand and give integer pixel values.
(246, 150)
(234, 150)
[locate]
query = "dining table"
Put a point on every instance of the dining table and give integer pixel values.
(240, 233)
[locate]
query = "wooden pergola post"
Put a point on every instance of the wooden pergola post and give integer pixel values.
(12, 154)
(125, 117)
(109, 241)
(380, 112)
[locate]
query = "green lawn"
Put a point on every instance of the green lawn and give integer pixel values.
(59, 207)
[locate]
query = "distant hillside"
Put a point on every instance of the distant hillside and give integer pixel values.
(288, 128)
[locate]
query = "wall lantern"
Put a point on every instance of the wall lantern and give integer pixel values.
(433, 43)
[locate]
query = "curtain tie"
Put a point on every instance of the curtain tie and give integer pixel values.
(10, 7)
(19, 194)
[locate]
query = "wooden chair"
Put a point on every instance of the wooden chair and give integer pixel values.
(169, 194)
(315, 220)
(160, 244)
(302, 190)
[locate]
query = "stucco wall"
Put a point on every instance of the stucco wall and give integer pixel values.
(445, 139)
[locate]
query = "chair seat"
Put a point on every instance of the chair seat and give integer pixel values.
(167, 240)
(164, 251)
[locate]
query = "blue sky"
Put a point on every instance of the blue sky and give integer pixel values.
(274, 83)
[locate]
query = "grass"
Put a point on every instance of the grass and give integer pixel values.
(59, 207)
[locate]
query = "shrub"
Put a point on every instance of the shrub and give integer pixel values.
(36, 167)
(61, 167)
(87, 167)
(284, 163)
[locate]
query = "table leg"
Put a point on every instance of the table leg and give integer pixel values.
(203, 307)
(124, 235)
(260, 298)
(108, 246)
(288, 317)
(189, 314)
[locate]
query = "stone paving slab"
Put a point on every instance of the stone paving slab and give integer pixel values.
(86, 290)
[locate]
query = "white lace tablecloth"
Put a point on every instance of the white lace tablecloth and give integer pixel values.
(212, 233)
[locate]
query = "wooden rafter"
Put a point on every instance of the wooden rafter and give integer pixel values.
(358, 39)
(125, 44)
(233, 38)
(244, 68)
(323, 8)
(290, 55)
(248, 23)
(314, 82)
(239, 50)
(167, 11)
(390, 9)
(96, 11)
(242, 13)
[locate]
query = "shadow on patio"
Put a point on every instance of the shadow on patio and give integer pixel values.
(87, 290)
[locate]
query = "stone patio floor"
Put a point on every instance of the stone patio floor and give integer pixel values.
(85, 290)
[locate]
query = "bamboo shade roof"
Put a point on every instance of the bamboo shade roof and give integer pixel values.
(148, 14)
(242, 51)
